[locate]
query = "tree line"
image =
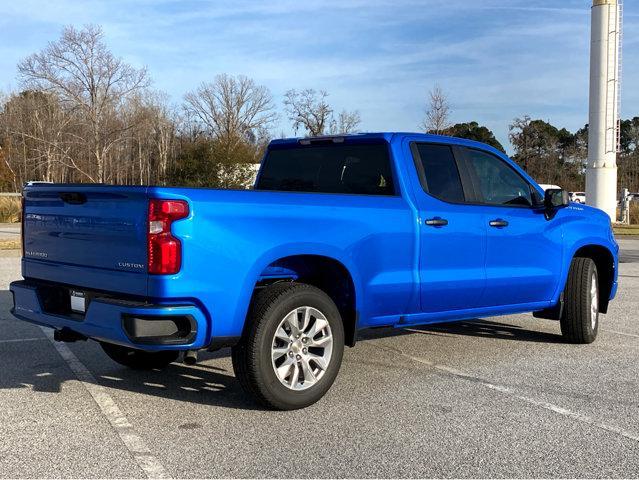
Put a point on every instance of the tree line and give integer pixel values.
(551, 155)
(84, 115)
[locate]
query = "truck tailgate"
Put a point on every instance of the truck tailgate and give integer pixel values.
(92, 236)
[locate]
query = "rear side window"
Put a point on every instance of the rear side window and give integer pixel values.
(335, 168)
(438, 172)
(498, 182)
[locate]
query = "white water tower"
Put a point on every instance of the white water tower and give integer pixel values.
(603, 132)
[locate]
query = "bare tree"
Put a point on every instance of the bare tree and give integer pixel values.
(232, 110)
(87, 77)
(151, 141)
(346, 122)
(309, 110)
(523, 143)
(41, 137)
(437, 113)
(163, 124)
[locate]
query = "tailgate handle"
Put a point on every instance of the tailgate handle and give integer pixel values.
(74, 198)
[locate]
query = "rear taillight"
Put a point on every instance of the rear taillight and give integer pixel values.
(165, 251)
(22, 224)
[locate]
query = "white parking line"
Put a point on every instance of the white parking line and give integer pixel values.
(132, 441)
(568, 413)
(16, 340)
(616, 332)
(508, 391)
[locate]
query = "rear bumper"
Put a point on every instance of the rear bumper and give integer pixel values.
(124, 322)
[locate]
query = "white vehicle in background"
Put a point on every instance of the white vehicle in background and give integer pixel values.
(578, 197)
(546, 186)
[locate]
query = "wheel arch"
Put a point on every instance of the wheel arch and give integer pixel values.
(605, 262)
(324, 272)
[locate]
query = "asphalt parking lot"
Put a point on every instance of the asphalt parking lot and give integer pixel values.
(500, 397)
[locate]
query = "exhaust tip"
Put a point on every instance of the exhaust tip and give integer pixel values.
(190, 357)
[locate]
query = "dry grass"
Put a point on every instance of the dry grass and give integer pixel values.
(9, 244)
(626, 229)
(634, 213)
(10, 209)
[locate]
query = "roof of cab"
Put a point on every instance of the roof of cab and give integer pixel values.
(359, 136)
(387, 136)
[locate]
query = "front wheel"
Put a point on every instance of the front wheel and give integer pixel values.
(292, 348)
(139, 359)
(580, 318)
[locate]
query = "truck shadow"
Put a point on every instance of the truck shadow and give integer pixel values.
(203, 383)
(487, 329)
(210, 382)
(31, 362)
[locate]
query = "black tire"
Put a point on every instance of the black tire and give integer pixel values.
(139, 359)
(252, 356)
(577, 323)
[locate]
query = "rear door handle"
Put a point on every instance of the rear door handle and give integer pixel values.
(498, 223)
(436, 222)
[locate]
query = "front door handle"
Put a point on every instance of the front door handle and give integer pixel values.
(498, 223)
(436, 222)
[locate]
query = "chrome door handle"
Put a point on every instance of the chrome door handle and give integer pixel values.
(498, 223)
(436, 222)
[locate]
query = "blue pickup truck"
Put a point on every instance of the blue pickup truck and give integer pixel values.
(339, 234)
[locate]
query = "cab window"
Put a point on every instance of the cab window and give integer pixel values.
(438, 172)
(498, 182)
(361, 168)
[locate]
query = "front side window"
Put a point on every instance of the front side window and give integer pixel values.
(498, 182)
(335, 168)
(438, 172)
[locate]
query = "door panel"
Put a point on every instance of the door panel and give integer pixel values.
(523, 248)
(451, 265)
(452, 236)
(523, 259)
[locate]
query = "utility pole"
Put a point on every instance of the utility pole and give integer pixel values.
(603, 131)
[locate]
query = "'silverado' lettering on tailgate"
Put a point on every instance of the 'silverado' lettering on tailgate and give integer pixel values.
(32, 253)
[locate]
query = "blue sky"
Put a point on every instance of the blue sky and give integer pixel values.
(497, 60)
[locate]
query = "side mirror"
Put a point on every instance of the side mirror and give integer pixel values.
(556, 198)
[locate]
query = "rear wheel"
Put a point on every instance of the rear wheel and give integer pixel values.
(139, 359)
(580, 318)
(292, 348)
